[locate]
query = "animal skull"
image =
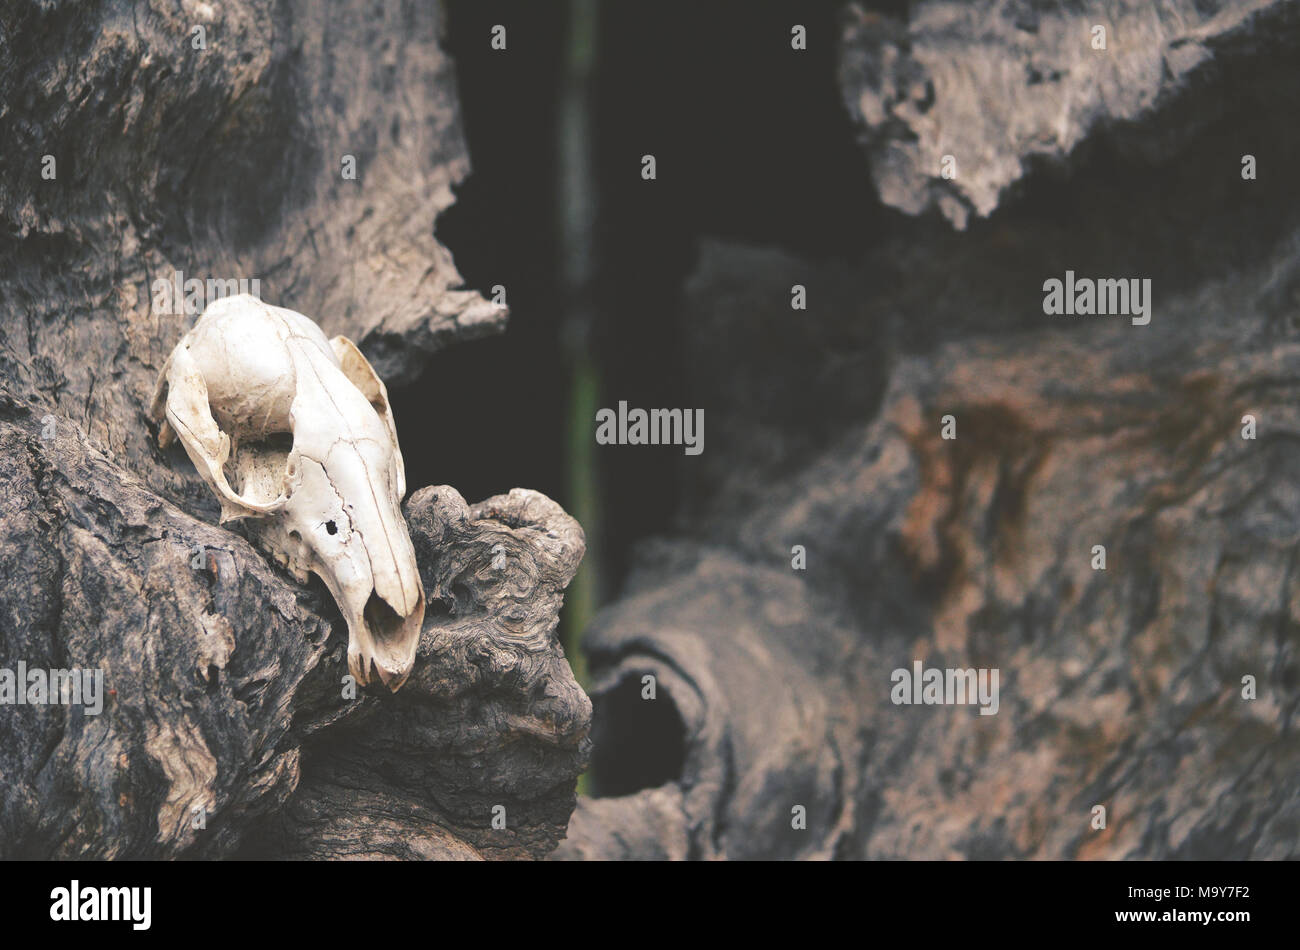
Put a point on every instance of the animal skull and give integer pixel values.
(295, 432)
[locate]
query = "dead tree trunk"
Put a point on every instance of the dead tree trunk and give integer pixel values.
(217, 142)
(834, 534)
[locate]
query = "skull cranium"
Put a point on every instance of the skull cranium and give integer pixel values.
(295, 433)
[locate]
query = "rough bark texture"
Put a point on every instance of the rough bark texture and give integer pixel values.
(1121, 687)
(491, 723)
(997, 84)
(225, 162)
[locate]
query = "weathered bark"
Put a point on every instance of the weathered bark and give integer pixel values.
(225, 163)
(1000, 84)
(1121, 687)
(491, 723)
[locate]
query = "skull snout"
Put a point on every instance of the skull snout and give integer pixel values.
(363, 551)
(385, 642)
(384, 606)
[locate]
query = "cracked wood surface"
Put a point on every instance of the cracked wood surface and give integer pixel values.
(227, 673)
(1121, 687)
(1002, 86)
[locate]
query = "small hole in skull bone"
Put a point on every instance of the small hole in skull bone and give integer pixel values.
(331, 527)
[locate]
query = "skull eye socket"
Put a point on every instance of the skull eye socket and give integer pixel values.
(331, 527)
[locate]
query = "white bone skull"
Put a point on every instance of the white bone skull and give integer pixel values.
(294, 432)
